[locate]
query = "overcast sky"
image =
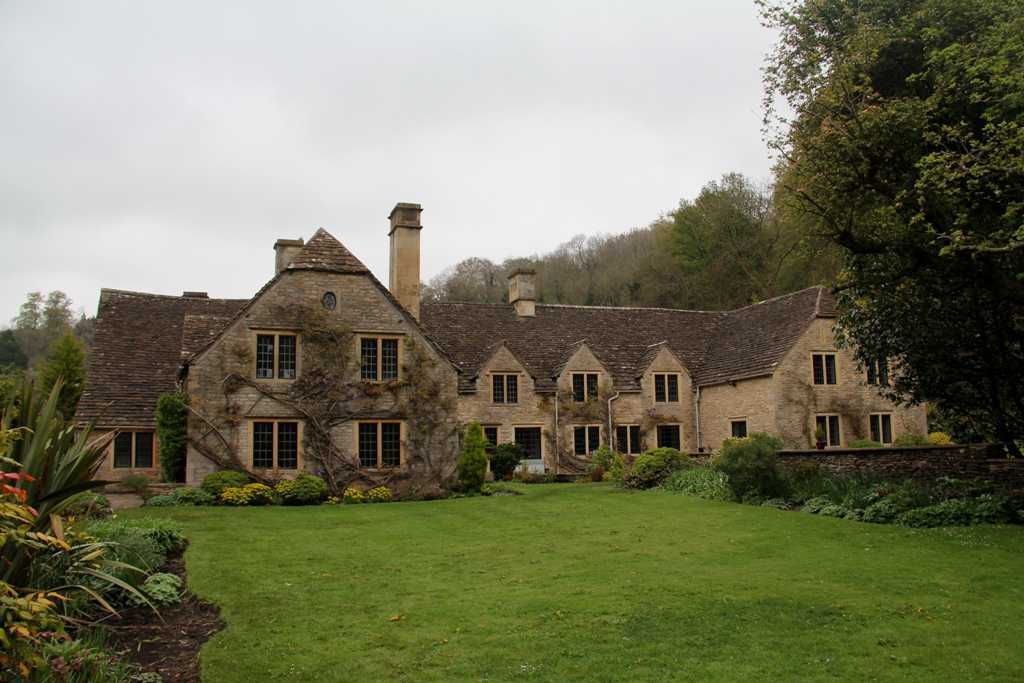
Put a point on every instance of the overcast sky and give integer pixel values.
(161, 147)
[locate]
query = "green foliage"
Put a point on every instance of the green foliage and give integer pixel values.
(472, 466)
(353, 496)
(130, 546)
(904, 148)
(81, 661)
(88, 505)
(379, 494)
(250, 494)
(137, 483)
(161, 589)
(617, 469)
(161, 501)
(749, 463)
(505, 458)
(652, 467)
(191, 495)
(65, 363)
(172, 434)
(816, 504)
(305, 489)
(11, 355)
(884, 511)
(702, 482)
(911, 439)
(215, 482)
(166, 533)
(986, 509)
(864, 443)
(939, 439)
(833, 510)
(603, 457)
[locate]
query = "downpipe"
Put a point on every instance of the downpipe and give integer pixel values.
(611, 430)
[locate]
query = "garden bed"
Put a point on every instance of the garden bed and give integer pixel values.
(167, 644)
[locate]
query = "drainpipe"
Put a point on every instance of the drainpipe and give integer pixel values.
(696, 410)
(556, 430)
(611, 429)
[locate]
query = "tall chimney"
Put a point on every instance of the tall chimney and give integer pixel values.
(284, 252)
(521, 292)
(404, 276)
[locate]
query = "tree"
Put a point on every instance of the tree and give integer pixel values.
(11, 354)
(472, 466)
(65, 361)
(904, 148)
(172, 434)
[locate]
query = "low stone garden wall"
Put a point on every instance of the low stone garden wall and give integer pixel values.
(973, 461)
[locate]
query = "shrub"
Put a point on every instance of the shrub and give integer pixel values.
(603, 458)
(191, 495)
(352, 495)
(161, 502)
(504, 459)
(88, 505)
(702, 482)
(379, 494)
(215, 482)
(167, 534)
(833, 510)
(864, 443)
(816, 505)
(617, 469)
(250, 494)
(911, 439)
(749, 463)
(161, 589)
(306, 489)
(653, 467)
(939, 439)
(986, 509)
(172, 434)
(472, 467)
(528, 477)
(804, 480)
(884, 511)
(333, 500)
(129, 545)
(136, 483)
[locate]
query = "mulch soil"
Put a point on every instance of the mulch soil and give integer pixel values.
(167, 644)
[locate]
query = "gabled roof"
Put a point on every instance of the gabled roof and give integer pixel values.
(651, 353)
(713, 346)
(137, 351)
(324, 252)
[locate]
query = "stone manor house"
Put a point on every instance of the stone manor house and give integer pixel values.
(324, 369)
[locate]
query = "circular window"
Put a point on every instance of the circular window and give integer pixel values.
(329, 301)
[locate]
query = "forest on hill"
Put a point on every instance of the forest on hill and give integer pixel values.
(734, 244)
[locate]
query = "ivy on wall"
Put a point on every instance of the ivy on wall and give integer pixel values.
(172, 434)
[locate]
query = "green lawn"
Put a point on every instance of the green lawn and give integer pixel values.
(586, 582)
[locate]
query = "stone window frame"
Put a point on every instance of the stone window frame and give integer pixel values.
(401, 444)
(276, 334)
(733, 421)
(878, 373)
(299, 459)
(494, 427)
(824, 368)
(657, 433)
(588, 447)
(379, 337)
(530, 425)
(828, 428)
(666, 375)
(492, 376)
(629, 432)
(881, 428)
(133, 431)
(587, 396)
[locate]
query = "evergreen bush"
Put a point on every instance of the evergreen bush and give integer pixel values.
(505, 458)
(215, 482)
(472, 467)
(750, 465)
(172, 434)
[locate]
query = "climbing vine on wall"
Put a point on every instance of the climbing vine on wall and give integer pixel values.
(329, 394)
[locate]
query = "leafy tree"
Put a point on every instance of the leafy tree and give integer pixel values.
(172, 434)
(11, 354)
(472, 466)
(66, 361)
(904, 148)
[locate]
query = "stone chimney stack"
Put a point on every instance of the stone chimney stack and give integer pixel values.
(521, 293)
(284, 252)
(404, 275)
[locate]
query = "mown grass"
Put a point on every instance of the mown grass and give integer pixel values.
(586, 582)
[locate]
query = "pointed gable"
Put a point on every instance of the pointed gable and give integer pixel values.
(325, 252)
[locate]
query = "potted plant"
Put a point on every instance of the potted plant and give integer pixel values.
(819, 438)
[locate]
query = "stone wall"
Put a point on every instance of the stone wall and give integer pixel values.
(974, 461)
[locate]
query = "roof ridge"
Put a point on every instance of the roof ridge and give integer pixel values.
(633, 308)
(130, 292)
(777, 298)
